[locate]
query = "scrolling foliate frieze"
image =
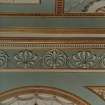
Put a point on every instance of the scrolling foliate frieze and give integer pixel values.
(54, 58)
(42, 55)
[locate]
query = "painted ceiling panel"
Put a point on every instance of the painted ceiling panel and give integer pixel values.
(84, 6)
(91, 6)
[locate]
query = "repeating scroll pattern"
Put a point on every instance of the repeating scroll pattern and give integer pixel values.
(52, 58)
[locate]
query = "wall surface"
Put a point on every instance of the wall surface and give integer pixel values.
(71, 82)
(46, 15)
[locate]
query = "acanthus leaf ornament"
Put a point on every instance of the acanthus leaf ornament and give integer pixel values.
(84, 59)
(3, 59)
(102, 60)
(55, 58)
(26, 58)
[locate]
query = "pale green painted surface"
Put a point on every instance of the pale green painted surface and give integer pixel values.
(72, 82)
(45, 6)
(46, 22)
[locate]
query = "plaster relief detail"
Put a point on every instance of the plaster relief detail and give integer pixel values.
(98, 90)
(40, 95)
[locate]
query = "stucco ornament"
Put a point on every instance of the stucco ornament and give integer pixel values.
(102, 58)
(40, 95)
(3, 59)
(39, 99)
(26, 58)
(84, 59)
(98, 90)
(55, 58)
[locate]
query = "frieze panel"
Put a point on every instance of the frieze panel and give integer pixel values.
(64, 55)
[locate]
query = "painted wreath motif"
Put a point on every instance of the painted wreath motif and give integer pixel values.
(26, 58)
(55, 59)
(3, 58)
(84, 59)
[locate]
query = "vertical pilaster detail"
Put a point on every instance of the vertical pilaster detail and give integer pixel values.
(59, 7)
